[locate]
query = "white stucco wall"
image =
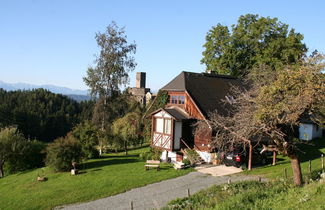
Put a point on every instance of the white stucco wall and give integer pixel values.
(177, 135)
(206, 156)
(171, 155)
(308, 131)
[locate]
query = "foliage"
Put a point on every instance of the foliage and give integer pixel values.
(31, 156)
(192, 156)
(126, 130)
(159, 102)
(110, 175)
(275, 103)
(252, 41)
(152, 154)
(113, 64)
(12, 145)
(87, 134)
(40, 114)
(186, 162)
(62, 152)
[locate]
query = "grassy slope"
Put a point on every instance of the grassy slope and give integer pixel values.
(274, 195)
(312, 151)
(103, 177)
(255, 195)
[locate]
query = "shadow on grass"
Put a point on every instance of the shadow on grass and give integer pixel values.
(311, 150)
(100, 163)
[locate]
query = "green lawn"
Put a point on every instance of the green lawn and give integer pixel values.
(255, 195)
(278, 193)
(309, 151)
(112, 174)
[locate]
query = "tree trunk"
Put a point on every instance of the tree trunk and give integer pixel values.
(250, 157)
(274, 158)
(1, 169)
(296, 169)
(126, 148)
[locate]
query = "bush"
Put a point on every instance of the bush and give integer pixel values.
(62, 152)
(186, 162)
(88, 136)
(31, 156)
(192, 156)
(152, 154)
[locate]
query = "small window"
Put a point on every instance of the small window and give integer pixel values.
(168, 126)
(181, 99)
(174, 100)
(159, 125)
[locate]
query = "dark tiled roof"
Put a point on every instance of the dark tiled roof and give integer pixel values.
(176, 113)
(207, 90)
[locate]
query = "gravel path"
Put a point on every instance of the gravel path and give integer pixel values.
(157, 195)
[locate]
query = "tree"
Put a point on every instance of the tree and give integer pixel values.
(252, 41)
(11, 144)
(126, 129)
(275, 103)
(113, 64)
(62, 152)
(88, 136)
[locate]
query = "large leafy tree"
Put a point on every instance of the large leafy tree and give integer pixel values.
(275, 102)
(126, 130)
(12, 143)
(252, 41)
(113, 64)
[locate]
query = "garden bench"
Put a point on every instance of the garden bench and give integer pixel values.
(152, 164)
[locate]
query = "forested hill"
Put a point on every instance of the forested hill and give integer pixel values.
(41, 114)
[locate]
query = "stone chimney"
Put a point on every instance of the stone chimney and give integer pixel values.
(140, 80)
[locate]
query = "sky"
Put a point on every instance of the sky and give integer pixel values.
(53, 41)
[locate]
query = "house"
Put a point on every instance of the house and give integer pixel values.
(192, 97)
(308, 130)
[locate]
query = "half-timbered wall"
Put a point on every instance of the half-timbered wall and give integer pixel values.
(162, 131)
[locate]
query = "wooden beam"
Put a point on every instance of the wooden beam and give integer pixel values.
(250, 157)
(274, 158)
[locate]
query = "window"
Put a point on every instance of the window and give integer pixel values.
(177, 99)
(159, 125)
(168, 126)
(164, 126)
(181, 99)
(174, 100)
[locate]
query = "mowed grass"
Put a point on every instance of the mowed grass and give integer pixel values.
(278, 193)
(308, 151)
(255, 195)
(112, 174)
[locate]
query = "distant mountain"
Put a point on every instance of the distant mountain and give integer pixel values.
(78, 95)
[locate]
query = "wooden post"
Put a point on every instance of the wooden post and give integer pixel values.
(188, 193)
(322, 157)
(274, 158)
(250, 157)
(229, 181)
(259, 179)
(166, 156)
(131, 205)
(309, 167)
(285, 173)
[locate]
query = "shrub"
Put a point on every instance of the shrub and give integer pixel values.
(62, 152)
(88, 136)
(152, 154)
(31, 156)
(192, 156)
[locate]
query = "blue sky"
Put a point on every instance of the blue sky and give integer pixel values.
(52, 42)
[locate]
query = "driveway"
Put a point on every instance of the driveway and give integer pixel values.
(157, 195)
